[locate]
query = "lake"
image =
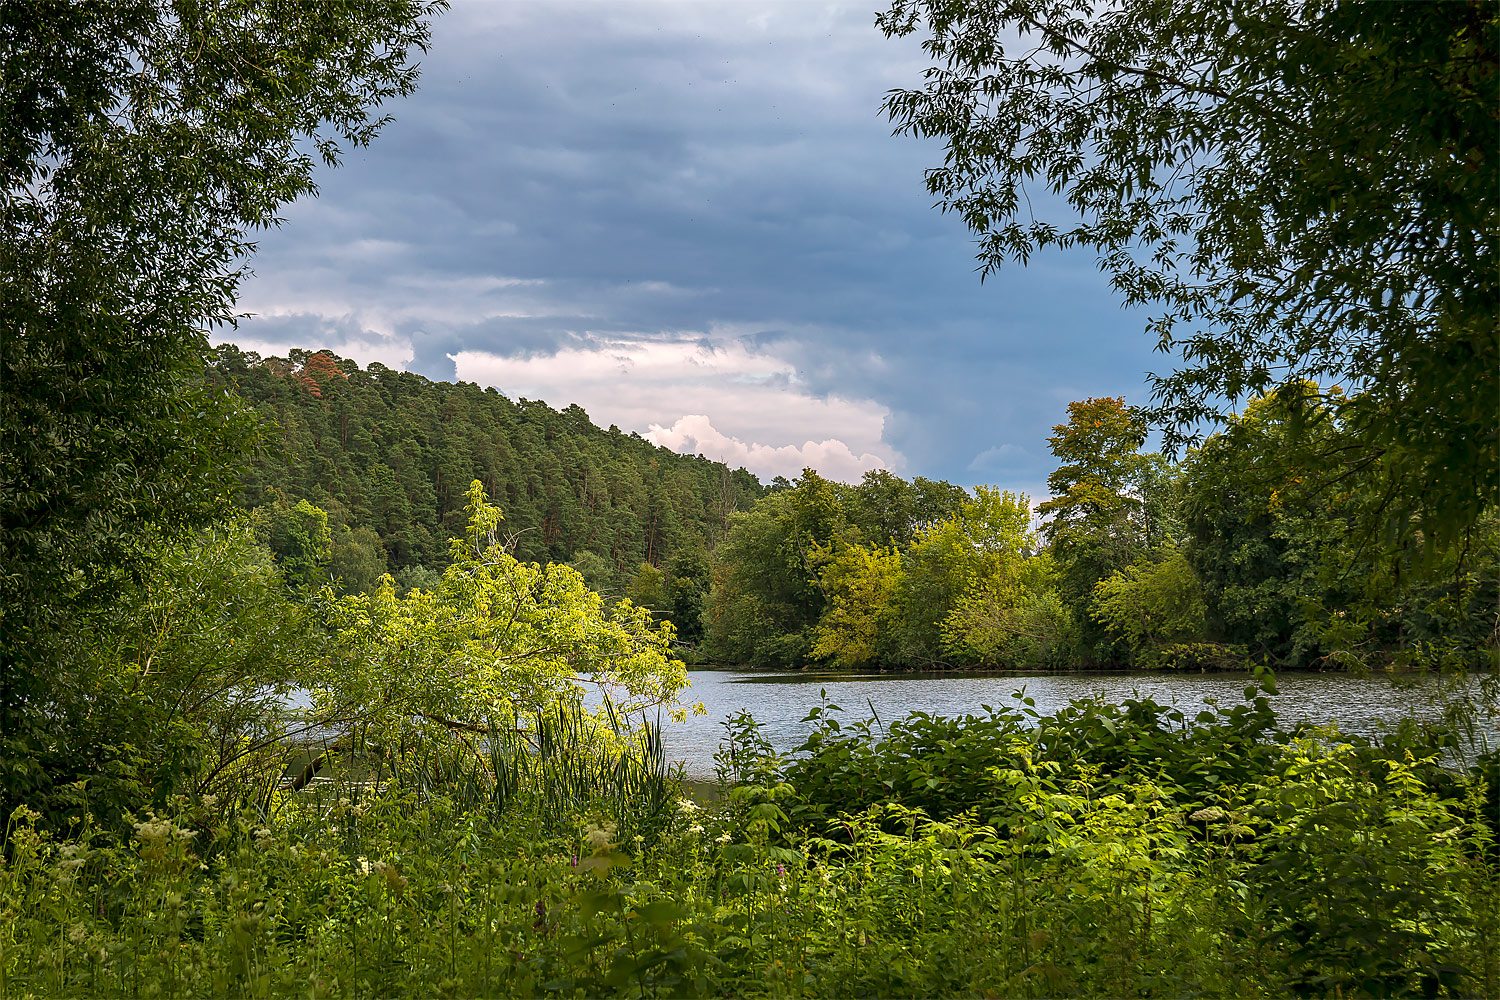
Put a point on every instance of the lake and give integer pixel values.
(780, 701)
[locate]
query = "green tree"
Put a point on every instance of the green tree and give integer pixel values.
(1152, 604)
(188, 670)
(1260, 528)
(862, 584)
(356, 559)
(596, 570)
(983, 549)
(141, 144)
(1301, 190)
(889, 510)
(496, 637)
(648, 588)
(1097, 519)
(1023, 624)
(298, 536)
(1286, 573)
(764, 600)
(689, 579)
(766, 597)
(411, 578)
(936, 576)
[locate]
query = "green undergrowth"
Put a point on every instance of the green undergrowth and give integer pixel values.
(1104, 851)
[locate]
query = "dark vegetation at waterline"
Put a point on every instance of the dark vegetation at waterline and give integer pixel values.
(443, 818)
(1245, 551)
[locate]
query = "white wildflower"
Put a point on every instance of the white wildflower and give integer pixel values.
(153, 830)
(599, 837)
(69, 859)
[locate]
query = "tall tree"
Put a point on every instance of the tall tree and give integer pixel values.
(1097, 522)
(141, 145)
(1302, 189)
(1284, 574)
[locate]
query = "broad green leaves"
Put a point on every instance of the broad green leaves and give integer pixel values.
(141, 145)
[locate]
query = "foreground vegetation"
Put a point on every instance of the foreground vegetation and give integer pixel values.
(1117, 851)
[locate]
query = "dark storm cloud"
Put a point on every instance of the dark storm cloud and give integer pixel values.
(569, 174)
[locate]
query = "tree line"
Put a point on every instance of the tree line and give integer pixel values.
(1249, 547)
(386, 458)
(1241, 551)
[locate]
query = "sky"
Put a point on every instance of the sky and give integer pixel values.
(692, 220)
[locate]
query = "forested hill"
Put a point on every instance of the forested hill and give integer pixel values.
(392, 453)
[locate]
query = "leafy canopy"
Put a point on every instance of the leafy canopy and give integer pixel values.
(1301, 191)
(861, 583)
(142, 143)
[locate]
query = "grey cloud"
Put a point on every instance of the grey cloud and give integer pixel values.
(679, 170)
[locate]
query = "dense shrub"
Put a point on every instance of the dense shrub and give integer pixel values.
(1104, 851)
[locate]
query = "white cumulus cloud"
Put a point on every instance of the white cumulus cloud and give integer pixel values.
(695, 434)
(716, 396)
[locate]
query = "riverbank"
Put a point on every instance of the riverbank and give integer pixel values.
(780, 702)
(1096, 852)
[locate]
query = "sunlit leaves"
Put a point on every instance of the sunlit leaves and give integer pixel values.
(495, 638)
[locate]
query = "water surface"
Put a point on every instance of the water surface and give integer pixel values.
(780, 702)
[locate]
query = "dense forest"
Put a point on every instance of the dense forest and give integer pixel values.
(295, 656)
(389, 456)
(1250, 548)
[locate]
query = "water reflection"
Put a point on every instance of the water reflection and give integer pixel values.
(780, 701)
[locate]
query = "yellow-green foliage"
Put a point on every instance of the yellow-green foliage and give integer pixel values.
(861, 585)
(495, 637)
(1151, 604)
(1023, 625)
(1000, 604)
